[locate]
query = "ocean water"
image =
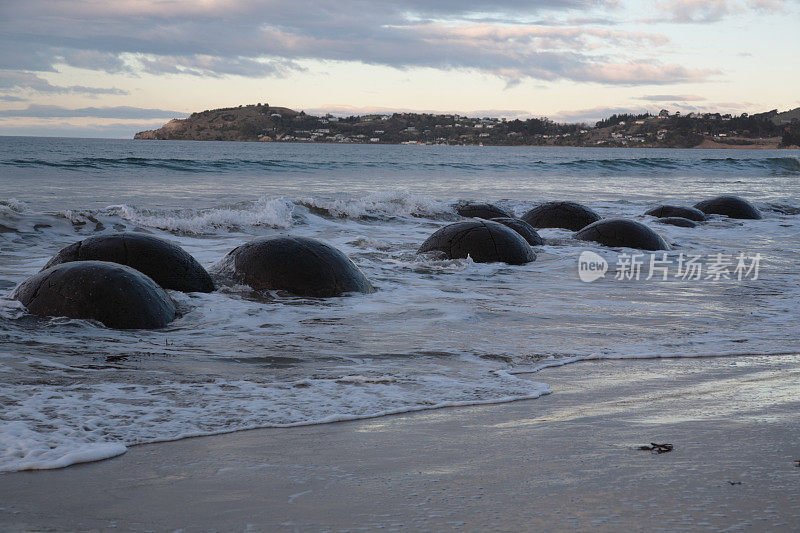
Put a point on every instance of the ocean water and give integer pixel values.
(436, 333)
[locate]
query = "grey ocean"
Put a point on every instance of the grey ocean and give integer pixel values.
(436, 332)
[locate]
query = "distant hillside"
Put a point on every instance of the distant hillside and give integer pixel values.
(262, 122)
(243, 123)
(787, 117)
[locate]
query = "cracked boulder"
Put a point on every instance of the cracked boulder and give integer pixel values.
(664, 211)
(523, 228)
(622, 232)
(484, 241)
(730, 206)
(117, 295)
(566, 215)
(485, 211)
(677, 221)
(299, 265)
(166, 263)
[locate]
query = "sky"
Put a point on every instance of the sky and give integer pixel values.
(110, 68)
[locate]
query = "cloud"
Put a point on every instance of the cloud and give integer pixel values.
(592, 115)
(511, 53)
(672, 98)
(11, 98)
(90, 59)
(59, 128)
(270, 39)
(312, 9)
(768, 6)
(639, 73)
(348, 110)
(705, 11)
(11, 80)
(698, 10)
(211, 66)
(118, 112)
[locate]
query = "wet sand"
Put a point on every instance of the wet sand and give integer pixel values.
(563, 462)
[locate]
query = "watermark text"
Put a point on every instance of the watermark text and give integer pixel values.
(661, 266)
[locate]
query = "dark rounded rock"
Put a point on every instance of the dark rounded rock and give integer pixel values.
(116, 295)
(485, 211)
(730, 206)
(527, 231)
(166, 263)
(299, 265)
(622, 232)
(483, 240)
(567, 215)
(677, 221)
(663, 211)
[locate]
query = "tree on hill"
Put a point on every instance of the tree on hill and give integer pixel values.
(615, 119)
(791, 134)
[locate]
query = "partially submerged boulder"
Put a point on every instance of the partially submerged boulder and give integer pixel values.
(730, 206)
(484, 241)
(566, 215)
(664, 211)
(485, 211)
(527, 231)
(677, 221)
(299, 265)
(622, 232)
(117, 295)
(166, 263)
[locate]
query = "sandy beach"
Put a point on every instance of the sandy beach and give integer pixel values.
(566, 461)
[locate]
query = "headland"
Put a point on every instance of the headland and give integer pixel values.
(265, 123)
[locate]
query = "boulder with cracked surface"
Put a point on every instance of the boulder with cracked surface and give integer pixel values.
(485, 211)
(117, 295)
(299, 265)
(666, 210)
(566, 215)
(482, 240)
(677, 221)
(730, 206)
(166, 263)
(527, 231)
(622, 232)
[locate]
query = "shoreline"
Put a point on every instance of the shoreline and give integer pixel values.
(710, 146)
(543, 463)
(703, 146)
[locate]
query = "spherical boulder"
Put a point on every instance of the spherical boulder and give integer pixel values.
(485, 211)
(677, 221)
(523, 228)
(622, 232)
(567, 215)
(483, 240)
(663, 211)
(117, 295)
(730, 206)
(299, 265)
(166, 263)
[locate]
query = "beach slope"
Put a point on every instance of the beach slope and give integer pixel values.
(569, 460)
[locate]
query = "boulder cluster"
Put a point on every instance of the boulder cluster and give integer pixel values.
(485, 241)
(120, 279)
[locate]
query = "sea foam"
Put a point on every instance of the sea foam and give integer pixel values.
(52, 426)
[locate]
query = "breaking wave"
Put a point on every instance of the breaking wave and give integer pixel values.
(277, 213)
(772, 165)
